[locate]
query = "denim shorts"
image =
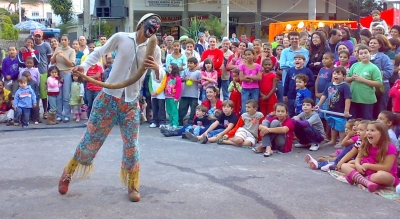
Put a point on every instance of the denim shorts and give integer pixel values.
(324, 106)
(336, 123)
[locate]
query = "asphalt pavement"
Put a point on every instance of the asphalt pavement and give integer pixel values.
(179, 179)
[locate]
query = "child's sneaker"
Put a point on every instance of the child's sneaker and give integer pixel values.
(298, 145)
(191, 136)
(314, 147)
(153, 125)
(36, 123)
(59, 119)
(16, 123)
(326, 168)
(162, 126)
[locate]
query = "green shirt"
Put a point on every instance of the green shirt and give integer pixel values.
(363, 93)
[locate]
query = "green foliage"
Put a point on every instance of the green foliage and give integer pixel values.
(64, 27)
(3, 11)
(105, 29)
(15, 18)
(63, 8)
(214, 26)
(366, 7)
(193, 30)
(7, 31)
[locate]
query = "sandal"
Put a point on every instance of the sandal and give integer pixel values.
(255, 150)
(267, 153)
(221, 140)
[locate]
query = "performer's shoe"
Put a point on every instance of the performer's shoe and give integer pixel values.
(134, 195)
(64, 183)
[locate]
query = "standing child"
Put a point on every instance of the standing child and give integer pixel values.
(173, 89)
(324, 77)
(156, 89)
(10, 70)
(35, 87)
(236, 92)
(301, 92)
(394, 93)
(209, 77)
(344, 57)
(92, 90)
(289, 88)
(108, 66)
(177, 57)
(250, 75)
(77, 94)
(34, 72)
(365, 78)
(190, 90)
(24, 100)
(338, 95)
(53, 90)
(375, 164)
(267, 85)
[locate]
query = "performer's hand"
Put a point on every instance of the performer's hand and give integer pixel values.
(150, 63)
(77, 69)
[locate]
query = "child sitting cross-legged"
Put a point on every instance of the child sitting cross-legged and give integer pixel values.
(245, 133)
(225, 123)
(308, 127)
(199, 122)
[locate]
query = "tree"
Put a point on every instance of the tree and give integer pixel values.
(366, 7)
(105, 29)
(63, 8)
(193, 30)
(214, 26)
(7, 30)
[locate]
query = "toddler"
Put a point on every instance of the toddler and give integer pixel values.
(77, 94)
(24, 100)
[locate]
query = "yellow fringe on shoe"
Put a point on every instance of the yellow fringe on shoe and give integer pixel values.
(130, 179)
(77, 170)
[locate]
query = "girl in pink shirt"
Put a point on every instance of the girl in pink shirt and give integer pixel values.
(375, 164)
(209, 77)
(250, 74)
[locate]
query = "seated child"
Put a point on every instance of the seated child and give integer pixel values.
(308, 127)
(245, 133)
(199, 122)
(6, 112)
(225, 122)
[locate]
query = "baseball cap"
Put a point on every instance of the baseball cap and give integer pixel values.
(184, 37)
(200, 33)
(38, 32)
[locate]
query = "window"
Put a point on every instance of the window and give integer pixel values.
(35, 14)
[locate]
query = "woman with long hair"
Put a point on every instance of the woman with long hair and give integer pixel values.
(318, 48)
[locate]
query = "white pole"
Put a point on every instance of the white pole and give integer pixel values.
(227, 18)
(99, 27)
(19, 10)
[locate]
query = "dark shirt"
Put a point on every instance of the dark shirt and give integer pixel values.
(336, 96)
(224, 120)
(290, 81)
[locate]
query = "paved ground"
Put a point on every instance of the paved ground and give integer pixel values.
(179, 179)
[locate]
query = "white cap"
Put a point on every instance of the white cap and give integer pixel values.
(147, 16)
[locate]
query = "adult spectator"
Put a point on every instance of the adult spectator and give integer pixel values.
(365, 34)
(243, 38)
(190, 51)
(257, 46)
(54, 44)
(286, 42)
(182, 41)
(201, 45)
(29, 43)
(64, 59)
(346, 40)
(83, 45)
(335, 36)
(226, 75)
(277, 41)
(395, 33)
(45, 55)
(317, 50)
(286, 60)
(303, 39)
(169, 41)
(79, 54)
(352, 39)
(103, 40)
(216, 55)
(206, 35)
(378, 29)
(236, 58)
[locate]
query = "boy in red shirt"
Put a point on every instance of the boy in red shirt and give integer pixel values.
(92, 90)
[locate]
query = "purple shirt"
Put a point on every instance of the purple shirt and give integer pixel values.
(34, 73)
(10, 68)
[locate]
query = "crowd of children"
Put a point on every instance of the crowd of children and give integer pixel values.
(332, 94)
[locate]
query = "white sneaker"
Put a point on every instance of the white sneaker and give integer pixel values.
(36, 123)
(298, 145)
(162, 126)
(153, 125)
(314, 147)
(326, 167)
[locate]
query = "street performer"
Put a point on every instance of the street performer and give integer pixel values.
(118, 106)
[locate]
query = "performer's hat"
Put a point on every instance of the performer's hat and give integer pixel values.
(147, 16)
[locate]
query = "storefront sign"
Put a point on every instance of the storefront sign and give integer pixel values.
(170, 18)
(164, 3)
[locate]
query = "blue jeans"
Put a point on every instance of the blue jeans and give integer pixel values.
(53, 103)
(345, 150)
(215, 132)
(64, 97)
(248, 94)
(224, 88)
(22, 114)
(361, 110)
(279, 91)
(90, 96)
(291, 107)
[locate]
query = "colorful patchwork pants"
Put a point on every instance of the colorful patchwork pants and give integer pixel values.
(108, 111)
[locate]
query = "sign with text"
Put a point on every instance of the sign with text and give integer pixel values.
(164, 3)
